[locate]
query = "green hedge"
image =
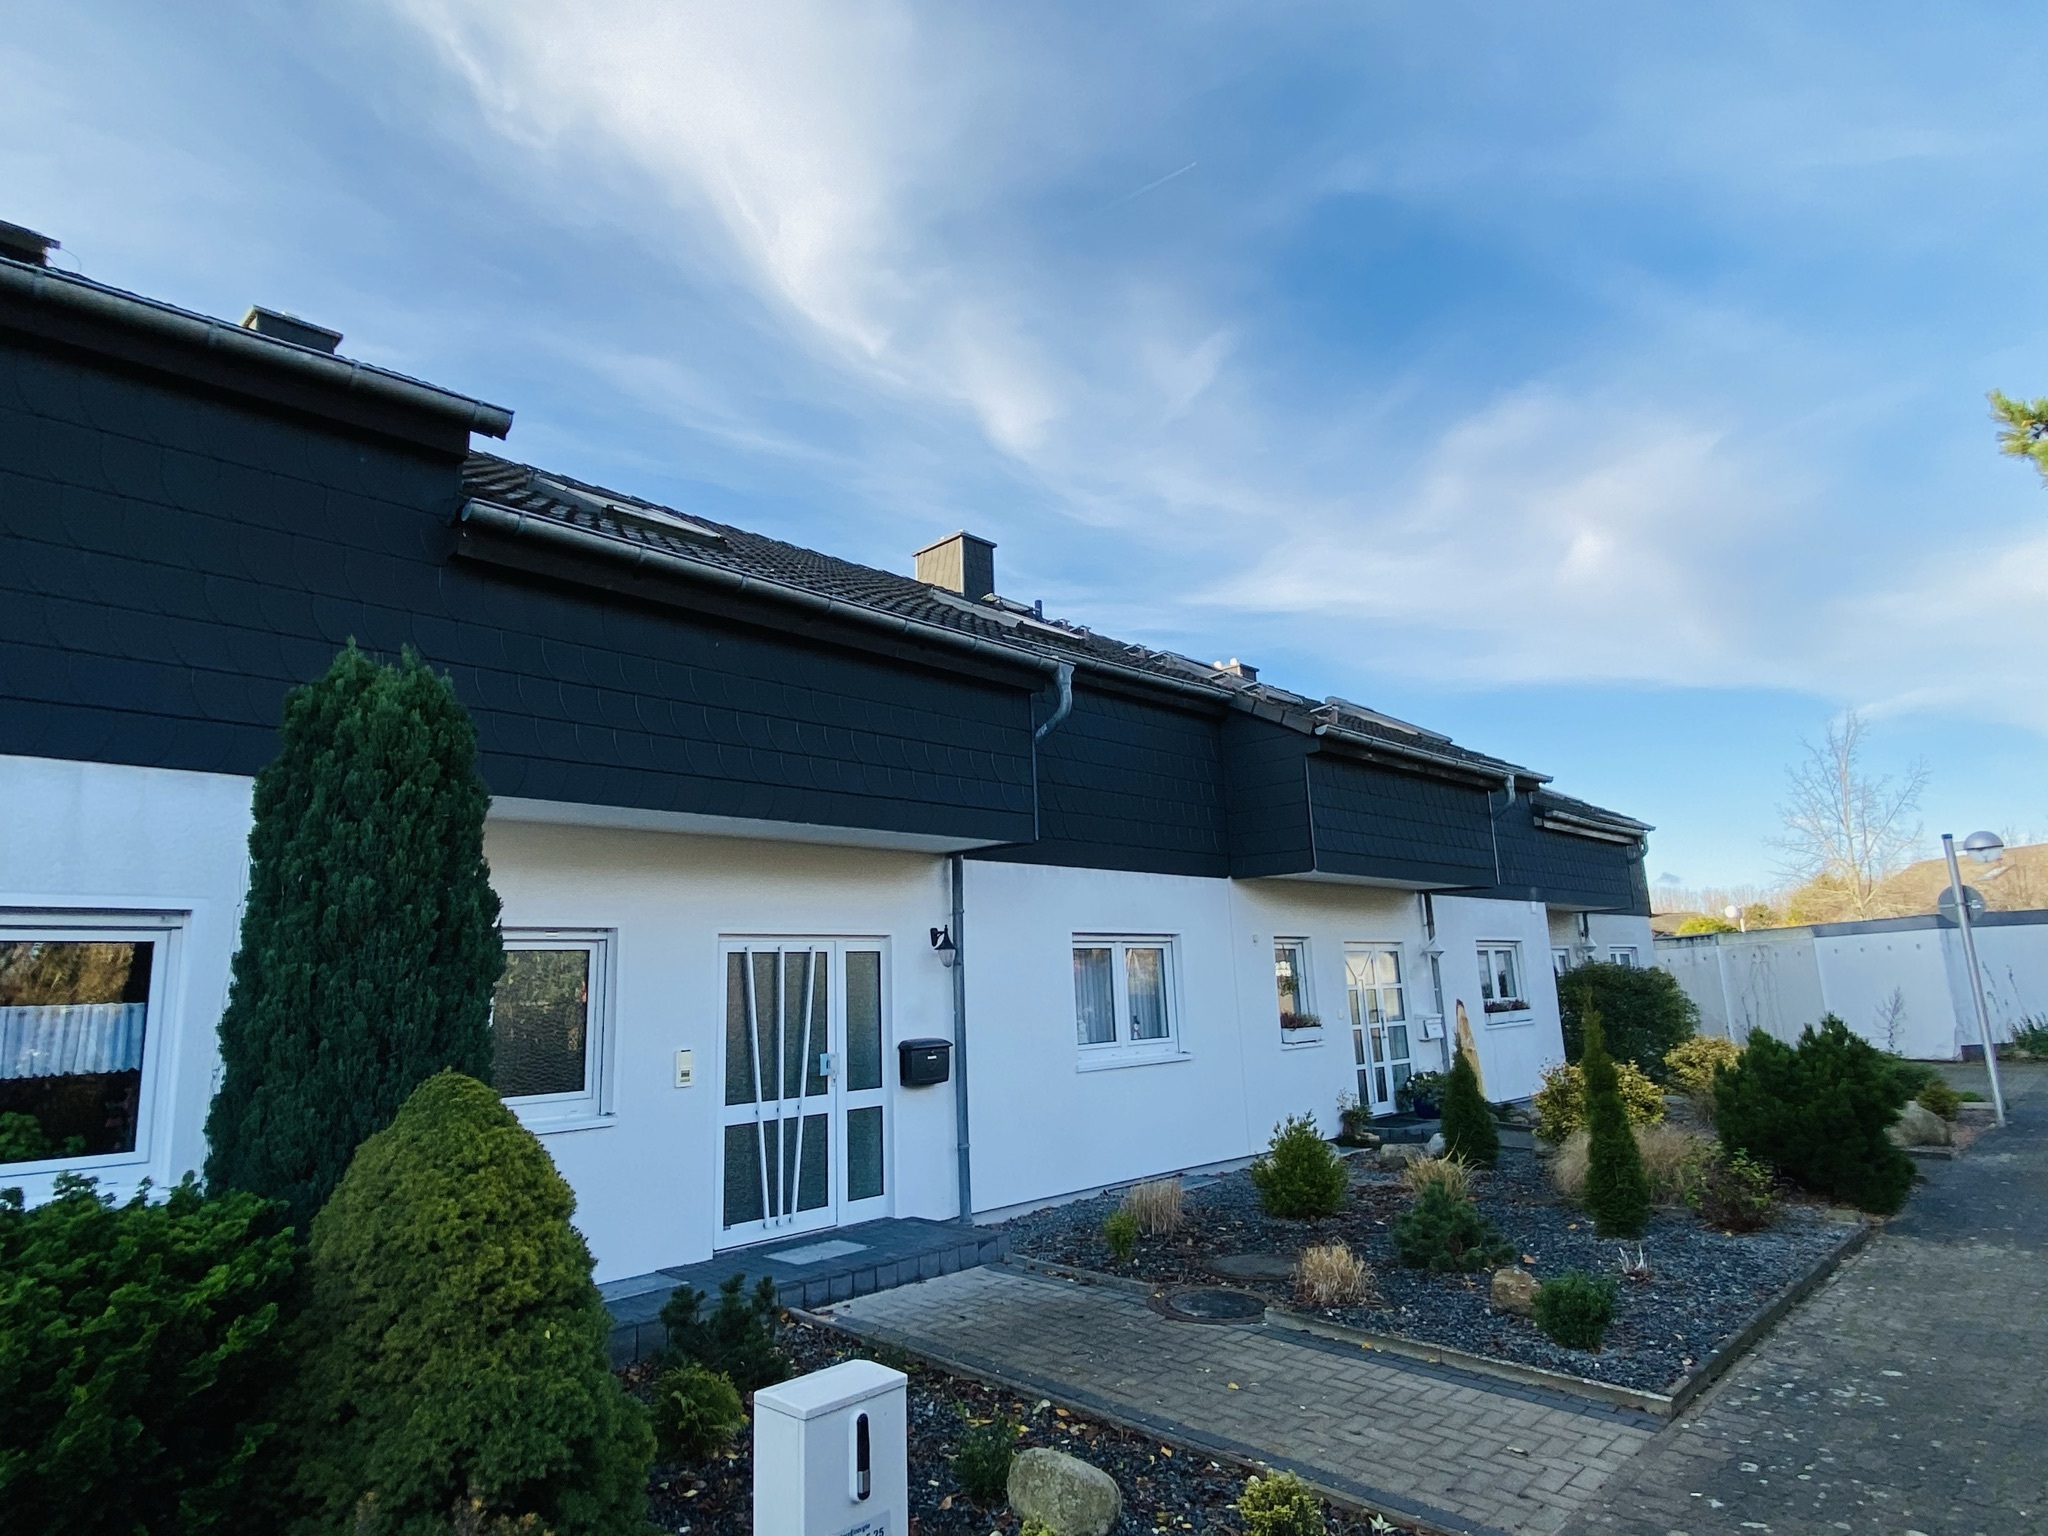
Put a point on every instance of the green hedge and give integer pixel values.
(1644, 1012)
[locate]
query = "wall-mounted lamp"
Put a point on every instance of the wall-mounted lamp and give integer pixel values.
(944, 947)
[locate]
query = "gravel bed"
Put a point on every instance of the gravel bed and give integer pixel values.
(1164, 1489)
(1705, 1284)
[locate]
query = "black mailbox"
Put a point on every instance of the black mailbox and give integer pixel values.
(924, 1063)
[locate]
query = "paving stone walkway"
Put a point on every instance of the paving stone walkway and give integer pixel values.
(1462, 1452)
(1909, 1394)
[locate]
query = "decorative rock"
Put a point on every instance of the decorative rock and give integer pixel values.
(1399, 1154)
(1919, 1126)
(1253, 1266)
(1368, 1140)
(1063, 1493)
(1514, 1290)
(1435, 1145)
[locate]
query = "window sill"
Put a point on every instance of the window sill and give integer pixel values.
(1300, 1039)
(1510, 1020)
(551, 1125)
(85, 1162)
(1115, 1063)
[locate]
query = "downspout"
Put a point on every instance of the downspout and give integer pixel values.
(960, 1122)
(1063, 681)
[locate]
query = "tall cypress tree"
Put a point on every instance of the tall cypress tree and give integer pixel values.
(1617, 1190)
(1468, 1129)
(370, 934)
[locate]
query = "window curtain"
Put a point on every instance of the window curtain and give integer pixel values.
(1094, 1000)
(71, 1039)
(1145, 973)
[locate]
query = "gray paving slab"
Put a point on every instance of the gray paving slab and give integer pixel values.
(1415, 1439)
(1909, 1394)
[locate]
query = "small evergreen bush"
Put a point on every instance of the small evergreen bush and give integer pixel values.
(1617, 1190)
(1644, 1013)
(1443, 1233)
(453, 1348)
(1574, 1309)
(1300, 1176)
(738, 1339)
(369, 940)
(1561, 1099)
(1734, 1193)
(140, 1350)
(982, 1464)
(1120, 1235)
(1280, 1504)
(1940, 1099)
(696, 1412)
(1817, 1112)
(1689, 1067)
(1469, 1132)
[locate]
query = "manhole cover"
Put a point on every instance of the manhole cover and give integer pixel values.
(1211, 1306)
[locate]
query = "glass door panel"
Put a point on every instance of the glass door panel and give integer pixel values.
(778, 1143)
(861, 1094)
(1379, 1023)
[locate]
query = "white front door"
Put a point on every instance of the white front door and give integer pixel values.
(804, 1139)
(1379, 1023)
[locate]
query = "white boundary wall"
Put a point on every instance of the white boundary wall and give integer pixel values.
(1901, 983)
(88, 838)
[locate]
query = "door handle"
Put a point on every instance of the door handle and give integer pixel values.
(825, 1065)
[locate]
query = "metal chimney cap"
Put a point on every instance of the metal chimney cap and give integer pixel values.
(279, 326)
(19, 243)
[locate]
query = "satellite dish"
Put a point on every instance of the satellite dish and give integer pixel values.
(1945, 903)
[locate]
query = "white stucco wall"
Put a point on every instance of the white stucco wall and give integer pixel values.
(1515, 1048)
(1605, 933)
(1892, 988)
(93, 838)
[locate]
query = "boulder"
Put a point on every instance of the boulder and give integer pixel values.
(1063, 1493)
(1514, 1290)
(1435, 1145)
(1399, 1154)
(1919, 1126)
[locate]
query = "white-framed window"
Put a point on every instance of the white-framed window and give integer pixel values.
(1623, 954)
(1561, 960)
(81, 1009)
(1298, 1017)
(1500, 978)
(550, 1022)
(1125, 1002)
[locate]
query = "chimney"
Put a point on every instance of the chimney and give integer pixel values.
(283, 327)
(25, 245)
(961, 563)
(1236, 668)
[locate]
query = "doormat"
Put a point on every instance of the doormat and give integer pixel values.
(816, 1253)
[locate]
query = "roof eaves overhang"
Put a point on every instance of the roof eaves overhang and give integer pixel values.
(74, 311)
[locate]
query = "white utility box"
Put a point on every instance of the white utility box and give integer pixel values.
(830, 1454)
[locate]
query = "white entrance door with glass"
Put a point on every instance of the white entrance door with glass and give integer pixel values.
(1379, 1023)
(802, 1133)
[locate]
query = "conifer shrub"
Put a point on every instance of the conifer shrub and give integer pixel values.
(981, 1466)
(696, 1412)
(1469, 1132)
(1617, 1190)
(1689, 1067)
(1443, 1233)
(1561, 1099)
(1644, 1013)
(452, 1351)
(738, 1339)
(1734, 1193)
(1940, 1099)
(1300, 1176)
(141, 1346)
(1575, 1309)
(1120, 1235)
(1817, 1112)
(1280, 1504)
(369, 939)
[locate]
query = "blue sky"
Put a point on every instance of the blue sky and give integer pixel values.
(1602, 384)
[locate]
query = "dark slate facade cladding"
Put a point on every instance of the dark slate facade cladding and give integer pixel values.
(176, 561)
(1129, 784)
(1378, 824)
(1561, 868)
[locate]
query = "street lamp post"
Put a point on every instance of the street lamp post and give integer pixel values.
(1982, 846)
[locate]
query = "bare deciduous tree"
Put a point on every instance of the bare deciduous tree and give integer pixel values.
(1845, 830)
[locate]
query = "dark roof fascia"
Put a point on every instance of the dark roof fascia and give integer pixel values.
(1405, 759)
(75, 312)
(534, 544)
(1583, 819)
